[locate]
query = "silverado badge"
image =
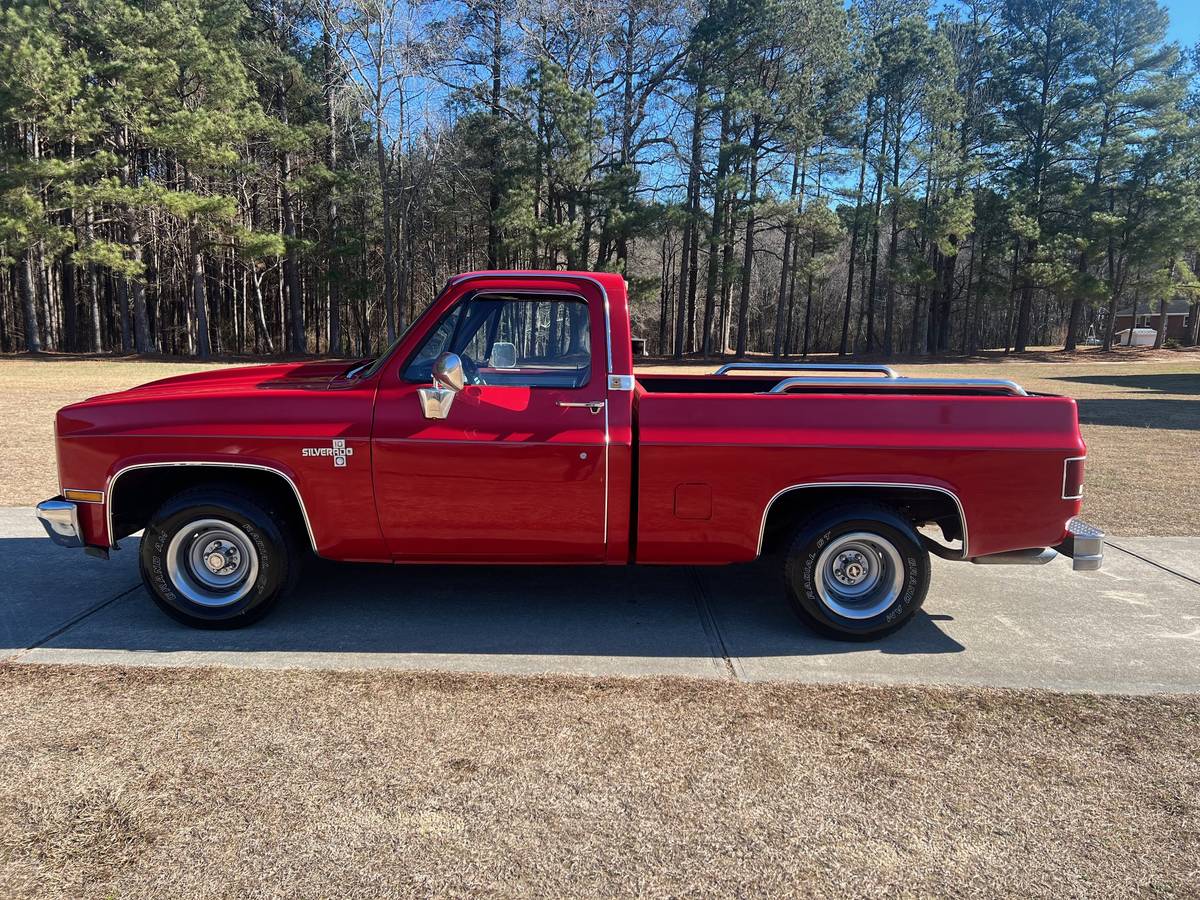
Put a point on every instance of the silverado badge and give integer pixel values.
(339, 451)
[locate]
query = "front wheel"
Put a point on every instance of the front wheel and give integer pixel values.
(212, 558)
(856, 572)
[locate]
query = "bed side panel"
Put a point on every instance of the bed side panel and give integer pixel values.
(1001, 456)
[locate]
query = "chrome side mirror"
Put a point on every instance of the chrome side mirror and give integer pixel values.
(448, 380)
(448, 372)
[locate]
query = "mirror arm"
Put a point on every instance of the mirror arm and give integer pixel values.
(435, 401)
(447, 378)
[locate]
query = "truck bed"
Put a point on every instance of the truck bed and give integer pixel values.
(715, 450)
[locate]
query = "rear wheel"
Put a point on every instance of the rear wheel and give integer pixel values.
(856, 572)
(212, 558)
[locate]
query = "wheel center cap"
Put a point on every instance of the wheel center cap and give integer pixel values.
(221, 558)
(851, 568)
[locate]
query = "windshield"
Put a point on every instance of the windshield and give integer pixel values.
(369, 369)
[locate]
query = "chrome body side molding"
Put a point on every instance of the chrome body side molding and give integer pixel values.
(112, 485)
(962, 516)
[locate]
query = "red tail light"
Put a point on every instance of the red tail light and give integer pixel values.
(1073, 478)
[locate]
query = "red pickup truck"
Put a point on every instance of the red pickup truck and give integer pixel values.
(506, 425)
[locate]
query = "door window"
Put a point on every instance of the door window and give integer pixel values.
(517, 341)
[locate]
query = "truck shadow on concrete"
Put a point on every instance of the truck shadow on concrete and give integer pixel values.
(534, 612)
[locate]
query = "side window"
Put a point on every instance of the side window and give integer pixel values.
(518, 341)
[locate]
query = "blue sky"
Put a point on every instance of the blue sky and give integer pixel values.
(1185, 21)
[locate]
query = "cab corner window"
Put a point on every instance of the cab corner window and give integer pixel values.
(514, 341)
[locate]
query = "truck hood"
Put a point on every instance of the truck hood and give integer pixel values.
(233, 396)
(303, 376)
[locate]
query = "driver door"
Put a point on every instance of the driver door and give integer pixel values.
(516, 470)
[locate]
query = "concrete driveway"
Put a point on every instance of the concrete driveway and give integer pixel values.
(1133, 627)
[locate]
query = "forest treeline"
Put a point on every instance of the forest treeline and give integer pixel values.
(301, 176)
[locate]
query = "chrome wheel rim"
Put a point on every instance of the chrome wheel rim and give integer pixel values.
(212, 562)
(859, 575)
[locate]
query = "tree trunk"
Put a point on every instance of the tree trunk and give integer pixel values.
(855, 228)
(782, 307)
(497, 160)
(691, 226)
(260, 313)
(96, 327)
(123, 312)
(33, 339)
(1161, 332)
(748, 244)
(199, 297)
(714, 235)
(334, 279)
(1025, 308)
(389, 262)
(627, 130)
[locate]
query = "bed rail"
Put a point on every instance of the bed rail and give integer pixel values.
(901, 383)
(863, 368)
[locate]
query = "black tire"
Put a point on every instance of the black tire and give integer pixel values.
(260, 551)
(857, 537)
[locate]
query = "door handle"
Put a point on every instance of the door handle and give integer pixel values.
(594, 405)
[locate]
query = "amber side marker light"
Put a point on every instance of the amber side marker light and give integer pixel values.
(84, 496)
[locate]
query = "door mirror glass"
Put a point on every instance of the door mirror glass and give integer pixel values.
(504, 355)
(448, 372)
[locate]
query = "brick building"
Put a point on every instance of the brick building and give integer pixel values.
(1147, 317)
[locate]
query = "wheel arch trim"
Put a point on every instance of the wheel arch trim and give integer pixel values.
(110, 491)
(904, 485)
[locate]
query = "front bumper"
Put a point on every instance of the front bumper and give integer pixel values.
(60, 518)
(1084, 543)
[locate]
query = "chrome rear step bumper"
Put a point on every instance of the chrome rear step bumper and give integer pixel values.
(1084, 544)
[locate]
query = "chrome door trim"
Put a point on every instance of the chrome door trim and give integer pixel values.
(112, 483)
(562, 276)
(962, 516)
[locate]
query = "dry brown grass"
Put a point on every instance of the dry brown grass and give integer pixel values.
(205, 783)
(1140, 412)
